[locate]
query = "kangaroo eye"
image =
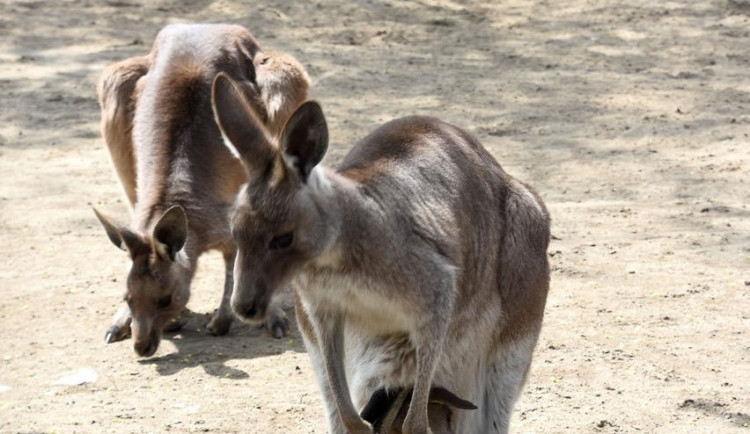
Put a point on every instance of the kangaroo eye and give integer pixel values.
(282, 241)
(264, 60)
(164, 302)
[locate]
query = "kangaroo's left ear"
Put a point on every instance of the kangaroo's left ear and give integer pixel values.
(239, 123)
(304, 140)
(121, 236)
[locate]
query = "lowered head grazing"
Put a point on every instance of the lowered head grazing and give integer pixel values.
(159, 127)
(157, 290)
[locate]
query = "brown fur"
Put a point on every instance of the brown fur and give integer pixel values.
(117, 98)
(169, 155)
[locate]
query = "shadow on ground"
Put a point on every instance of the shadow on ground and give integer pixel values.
(196, 347)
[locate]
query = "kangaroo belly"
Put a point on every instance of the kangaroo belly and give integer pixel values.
(388, 360)
(376, 361)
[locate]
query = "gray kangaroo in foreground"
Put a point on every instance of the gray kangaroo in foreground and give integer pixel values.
(178, 176)
(419, 263)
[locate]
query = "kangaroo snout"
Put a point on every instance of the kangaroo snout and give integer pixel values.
(146, 337)
(146, 347)
(250, 309)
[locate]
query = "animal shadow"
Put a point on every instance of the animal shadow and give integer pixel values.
(197, 347)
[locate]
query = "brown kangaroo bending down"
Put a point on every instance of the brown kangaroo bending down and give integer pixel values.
(419, 263)
(179, 177)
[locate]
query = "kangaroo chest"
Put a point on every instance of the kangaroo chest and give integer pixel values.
(367, 305)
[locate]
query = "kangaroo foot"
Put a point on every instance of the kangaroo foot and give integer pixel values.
(117, 333)
(219, 324)
(277, 323)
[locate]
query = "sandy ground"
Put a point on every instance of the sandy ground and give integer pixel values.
(632, 121)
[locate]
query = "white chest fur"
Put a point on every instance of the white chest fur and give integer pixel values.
(364, 303)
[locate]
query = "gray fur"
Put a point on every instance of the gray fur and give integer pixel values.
(418, 263)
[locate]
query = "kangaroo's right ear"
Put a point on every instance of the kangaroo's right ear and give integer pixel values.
(120, 236)
(304, 140)
(170, 233)
(378, 407)
(243, 132)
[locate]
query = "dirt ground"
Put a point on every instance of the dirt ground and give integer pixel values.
(632, 121)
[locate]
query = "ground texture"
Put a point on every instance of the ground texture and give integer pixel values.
(631, 120)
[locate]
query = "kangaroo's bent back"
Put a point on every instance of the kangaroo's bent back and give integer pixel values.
(178, 176)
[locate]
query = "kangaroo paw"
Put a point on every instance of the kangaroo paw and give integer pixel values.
(277, 324)
(116, 333)
(175, 325)
(219, 324)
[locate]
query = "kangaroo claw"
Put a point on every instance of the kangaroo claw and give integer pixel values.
(279, 327)
(116, 333)
(175, 325)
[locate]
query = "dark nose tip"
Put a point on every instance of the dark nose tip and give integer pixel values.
(249, 311)
(146, 348)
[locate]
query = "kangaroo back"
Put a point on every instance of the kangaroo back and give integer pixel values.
(179, 177)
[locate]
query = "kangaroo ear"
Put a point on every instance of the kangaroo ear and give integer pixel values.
(386, 410)
(446, 397)
(240, 126)
(170, 233)
(120, 236)
(304, 140)
(377, 407)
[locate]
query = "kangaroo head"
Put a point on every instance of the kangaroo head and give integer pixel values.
(386, 410)
(278, 221)
(157, 283)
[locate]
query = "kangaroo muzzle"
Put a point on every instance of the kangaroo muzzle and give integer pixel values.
(250, 302)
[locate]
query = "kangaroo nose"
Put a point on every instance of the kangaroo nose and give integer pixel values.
(249, 311)
(146, 347)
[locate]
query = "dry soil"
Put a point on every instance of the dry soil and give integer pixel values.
(630, 118)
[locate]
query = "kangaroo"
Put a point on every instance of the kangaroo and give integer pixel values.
(178, 177)
(386, 410)
(419, 263)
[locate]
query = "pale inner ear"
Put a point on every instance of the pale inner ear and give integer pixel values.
(164, 251)
(228, 143)
(304, 140)
(112, 230)
(242, 132)
(121, 236)
(170, 233)
(278, 171)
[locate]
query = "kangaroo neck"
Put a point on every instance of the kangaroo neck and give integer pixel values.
(356, 218)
